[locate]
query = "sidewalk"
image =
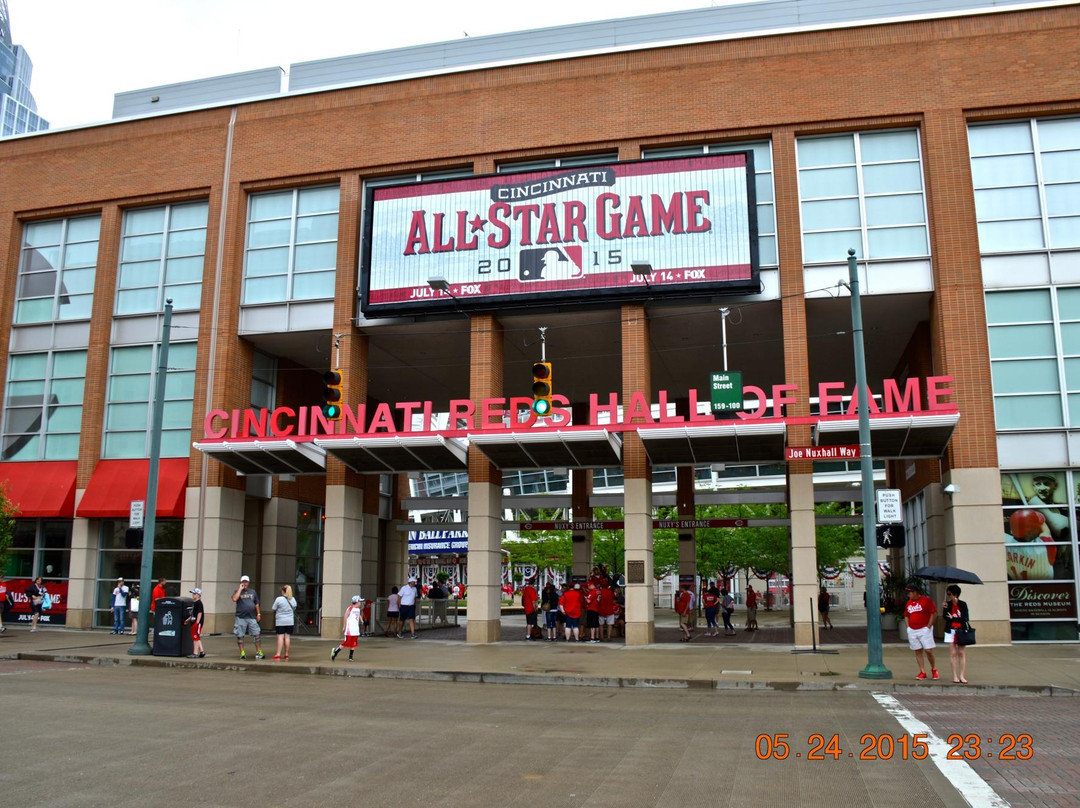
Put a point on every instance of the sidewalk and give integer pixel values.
(1018, 669)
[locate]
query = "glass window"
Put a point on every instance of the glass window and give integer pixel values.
(290, 233)
(1027, 184)
(862, 190)
(130, 392)
(120, 556)
(150, 271)
(1028, 330)
(43, 406)
(763, 175)
(56, 270)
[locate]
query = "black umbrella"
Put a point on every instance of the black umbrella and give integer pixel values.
(948, 575)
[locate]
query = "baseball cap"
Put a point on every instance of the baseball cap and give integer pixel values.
(245, 578)
(120, 579)
(356, 598)
(412, 580)
(912, 588)
(195, 591)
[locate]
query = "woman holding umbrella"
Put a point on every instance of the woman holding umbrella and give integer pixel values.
(955, 613)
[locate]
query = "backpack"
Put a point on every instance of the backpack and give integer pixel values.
(46, 602)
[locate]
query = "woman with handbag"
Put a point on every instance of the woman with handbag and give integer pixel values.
(955, 613)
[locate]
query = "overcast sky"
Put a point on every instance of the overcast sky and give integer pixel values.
(84, 51)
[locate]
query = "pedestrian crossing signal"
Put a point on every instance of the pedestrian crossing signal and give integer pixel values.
(541, 388)
(331, 407)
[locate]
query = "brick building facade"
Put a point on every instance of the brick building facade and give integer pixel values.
(949, 86)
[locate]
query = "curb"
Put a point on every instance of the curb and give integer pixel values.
(479, 677)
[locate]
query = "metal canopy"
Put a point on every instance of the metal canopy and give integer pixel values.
(735, 443)
(586, 448)
(893, 436)
(396, 453)
(268, 456)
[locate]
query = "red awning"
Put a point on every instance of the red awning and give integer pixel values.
(41, 490)
(115, 483)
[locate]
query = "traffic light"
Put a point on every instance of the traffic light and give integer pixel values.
(541, 388)
(331, 408)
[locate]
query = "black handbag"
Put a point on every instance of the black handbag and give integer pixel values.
(965, 636)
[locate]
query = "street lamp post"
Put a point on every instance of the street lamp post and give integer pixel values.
(875, 667)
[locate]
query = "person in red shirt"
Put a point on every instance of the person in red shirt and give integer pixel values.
(606, 609)
(683, 602)
(159, 592)
(920, 611)
(529, 596)
(592, 612)
(571, 605)
(710, 599)
(751, 608)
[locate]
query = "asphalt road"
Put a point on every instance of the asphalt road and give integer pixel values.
(78, 734)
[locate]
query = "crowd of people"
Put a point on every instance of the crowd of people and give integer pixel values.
(598, 601)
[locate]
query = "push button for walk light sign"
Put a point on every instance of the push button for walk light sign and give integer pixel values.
(726, 390)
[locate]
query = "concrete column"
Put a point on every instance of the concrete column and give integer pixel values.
(485, 563)
(277, 559)
(221, 550)
(82, 570)
(343, 556)
(973, 541)
(804, 571)
(640, 584)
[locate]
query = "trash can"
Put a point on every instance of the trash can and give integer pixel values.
(172, 636)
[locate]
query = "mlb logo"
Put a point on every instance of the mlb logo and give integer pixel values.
(550, 263)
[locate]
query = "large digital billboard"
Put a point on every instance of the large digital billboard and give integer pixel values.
(562, 235)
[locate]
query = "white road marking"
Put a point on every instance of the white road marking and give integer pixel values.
(975, 791)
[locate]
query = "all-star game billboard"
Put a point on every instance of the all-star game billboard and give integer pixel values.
(553, 236)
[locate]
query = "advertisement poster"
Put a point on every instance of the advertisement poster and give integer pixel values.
(20, 611)
(563, 233)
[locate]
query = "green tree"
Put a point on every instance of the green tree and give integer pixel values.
(544, 548)
(837, 543)
(722, 549)
(7, 525)
(609, 546)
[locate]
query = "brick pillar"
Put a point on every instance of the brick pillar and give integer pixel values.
(684, 502)
(972, 516)
(485, 491)
(582, 540)
(86, 535)
(796, 371)
(637, 481)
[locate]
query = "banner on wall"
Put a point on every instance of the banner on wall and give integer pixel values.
(561, 234)
(20, 610)
(438, 541)
(1035, 601)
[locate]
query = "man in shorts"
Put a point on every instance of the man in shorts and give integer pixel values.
(751, 608)
(606, 608)
(920, 612)
(248, 615)
(196, 620)
(684, 604)
(407, 609)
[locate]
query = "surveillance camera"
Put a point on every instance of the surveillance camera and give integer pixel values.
(950, 489)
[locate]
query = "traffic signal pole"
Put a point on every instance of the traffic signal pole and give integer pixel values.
(142, 638)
